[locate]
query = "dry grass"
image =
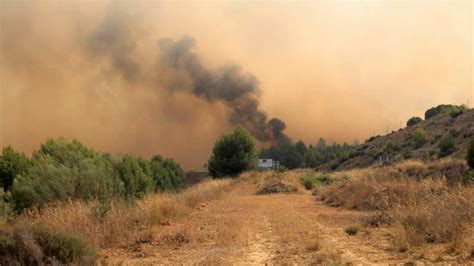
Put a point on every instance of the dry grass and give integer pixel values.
(449, 169)
(124, 224)
(428, 202)
(275, 182)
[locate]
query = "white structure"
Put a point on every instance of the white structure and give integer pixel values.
(268, 164)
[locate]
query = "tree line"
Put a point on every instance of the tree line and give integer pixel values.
(299, 155)
(62, 169)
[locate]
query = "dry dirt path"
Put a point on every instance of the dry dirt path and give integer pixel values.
(247, 229)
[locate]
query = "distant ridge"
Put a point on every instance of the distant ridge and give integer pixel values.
(398, 146)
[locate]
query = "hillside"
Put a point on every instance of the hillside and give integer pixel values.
(399, 145)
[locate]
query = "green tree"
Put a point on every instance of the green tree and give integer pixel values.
(419, 137)
(301, 147)
(135, 180)
(232, 154)
(313, 158)
(321, 145)
(12, 163)
(414, 121)
(446, 146)
(470, 154)
(289, 156)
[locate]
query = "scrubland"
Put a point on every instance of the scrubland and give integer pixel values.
(423, 204)
(95, 225)
(404, 213)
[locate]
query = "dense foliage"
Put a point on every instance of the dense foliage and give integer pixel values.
(470, 154)
(232, 154)
(453, 110)
(446, 146)
(297, 155)
(419, 137)
(62, 170)
(414, 121)
(12, 163)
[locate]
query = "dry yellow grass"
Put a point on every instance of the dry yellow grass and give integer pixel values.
(428, 202)
(123, 224)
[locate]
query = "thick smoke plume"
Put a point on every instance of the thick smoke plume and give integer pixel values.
(176, 63)
(238, 90)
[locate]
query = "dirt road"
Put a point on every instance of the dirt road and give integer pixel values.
(244, 228)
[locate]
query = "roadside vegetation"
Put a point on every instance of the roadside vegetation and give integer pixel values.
(426, 202)
(59, 180)
(73, 231)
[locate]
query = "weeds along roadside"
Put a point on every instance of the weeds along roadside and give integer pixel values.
(116, 224)
(427, 203)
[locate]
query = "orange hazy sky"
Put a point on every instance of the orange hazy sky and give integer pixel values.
(341, 70)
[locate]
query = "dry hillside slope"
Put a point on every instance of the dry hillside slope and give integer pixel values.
(398, 145)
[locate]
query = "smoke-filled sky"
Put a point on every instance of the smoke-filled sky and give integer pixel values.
(169, 77)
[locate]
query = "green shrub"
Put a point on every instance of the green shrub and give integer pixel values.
(311, 180)
(5, 206)
(352, 230)
(6, 245)
(12, 163)
(63, 247)
(453, 110)
(470, 154)
(308, 184)
(44, 182)
(167, 174)
(419, 137)
(446, 146)
(232, 154)
(33, 245)
(313, 158)
(414, 121)
(137, 183)
(391, 146)
(62, 170)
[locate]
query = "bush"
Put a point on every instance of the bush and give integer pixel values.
(63, 170)
(414, 121)
(311, 180)
(419, 137)
(167, 174)
(12, 163)
(453, 110)
(232, 154)
(352, 230)
(391, 146)
(65, 248)
(447, 146)
(44, 182)
(33, 245)
(313, 158)
(470, 154)
(136, 182)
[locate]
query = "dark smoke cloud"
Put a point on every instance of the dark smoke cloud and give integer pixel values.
(114, 41)
(238, 90)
